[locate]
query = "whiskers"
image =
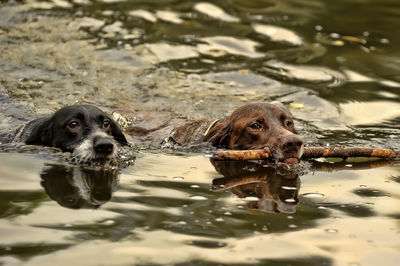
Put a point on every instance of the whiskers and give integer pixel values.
(88, 152)
(123, 156)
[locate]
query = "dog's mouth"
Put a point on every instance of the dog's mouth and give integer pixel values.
(288, 158)
(291, 160)
(279, 157)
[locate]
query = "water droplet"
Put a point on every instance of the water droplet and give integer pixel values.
(322, 207)
(177, 178)
(385, 41)
(292, 226)
(290, 217)
(313, 195)
(198, 198)
(264, 228)
(318, 27)
(290, 200)
(109, 222)
(331, 231)
(251, 198)
(220, 219)
(289, 188)
(194, 186)
(181, 222)
(227, 213)
(334, 35)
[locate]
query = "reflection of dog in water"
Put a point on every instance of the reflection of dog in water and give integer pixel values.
(268, 189)
(77, 187)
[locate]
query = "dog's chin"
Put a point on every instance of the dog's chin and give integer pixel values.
(292, 158)
(93, 159)
(85, 154)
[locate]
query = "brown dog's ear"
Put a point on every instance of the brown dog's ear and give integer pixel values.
(220, 133)
(41, 133)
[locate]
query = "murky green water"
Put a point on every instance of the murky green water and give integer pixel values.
(333, 64)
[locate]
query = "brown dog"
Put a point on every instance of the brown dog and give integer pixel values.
(252, 126)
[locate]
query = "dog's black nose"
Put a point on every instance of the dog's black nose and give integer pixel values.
(292, 143)
(103, 146)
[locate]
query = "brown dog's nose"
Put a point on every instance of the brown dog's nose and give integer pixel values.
(103, 146)
(291, 143)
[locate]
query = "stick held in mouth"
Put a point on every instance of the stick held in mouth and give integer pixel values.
(309, 152)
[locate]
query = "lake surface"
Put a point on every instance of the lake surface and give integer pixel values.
(333, 64)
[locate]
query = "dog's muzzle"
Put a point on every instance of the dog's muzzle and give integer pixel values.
(103, 146)
(97, 147)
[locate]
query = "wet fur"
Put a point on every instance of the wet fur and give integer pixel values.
(252, 126)
(54, 131)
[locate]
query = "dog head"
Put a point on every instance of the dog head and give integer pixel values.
(257, 126)
(84, 130)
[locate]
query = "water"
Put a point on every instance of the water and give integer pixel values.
(333, 65)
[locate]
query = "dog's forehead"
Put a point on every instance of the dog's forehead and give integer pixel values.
(259, 110)
(275, 111)
(83, 112)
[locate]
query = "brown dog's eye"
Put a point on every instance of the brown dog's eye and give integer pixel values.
(255, 126)
(106, 124)
(289, 123)
(73, 125)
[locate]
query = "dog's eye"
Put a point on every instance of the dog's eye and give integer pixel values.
(73, 124)
(106, 124)
(255, 125)
(289, 123)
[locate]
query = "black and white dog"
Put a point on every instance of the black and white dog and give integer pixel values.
(85, 131)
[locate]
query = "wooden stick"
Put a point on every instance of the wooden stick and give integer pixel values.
(241, 155)
(309, 152)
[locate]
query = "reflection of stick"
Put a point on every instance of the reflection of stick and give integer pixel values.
(309, 152)
(229, 182)
(329, 167)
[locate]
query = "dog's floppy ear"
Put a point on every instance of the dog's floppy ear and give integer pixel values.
(41, 133)
(220, 134)
(118, 135)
